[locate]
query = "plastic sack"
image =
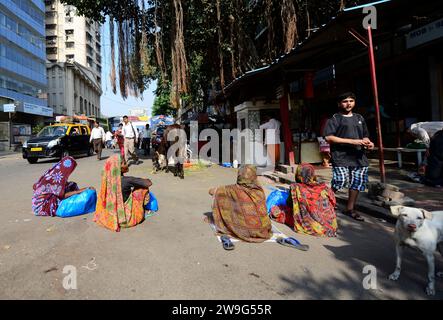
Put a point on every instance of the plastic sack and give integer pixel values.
(153, 203)
(78, 204)
(277, 198)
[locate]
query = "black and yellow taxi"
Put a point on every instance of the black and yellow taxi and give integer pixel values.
(57, 141)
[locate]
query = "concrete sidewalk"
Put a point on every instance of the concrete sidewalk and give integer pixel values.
(4, 153)
(425, 197)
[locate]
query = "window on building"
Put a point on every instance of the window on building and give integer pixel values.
(69, 57)
(69, 44)
(51, 50)
(69, 32)
(89, 62)
(51, 26)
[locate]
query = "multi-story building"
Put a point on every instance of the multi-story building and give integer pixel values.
(22, 68)
(73, 51)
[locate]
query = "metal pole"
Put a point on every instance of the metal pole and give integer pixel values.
(10, 131)
(377, 107)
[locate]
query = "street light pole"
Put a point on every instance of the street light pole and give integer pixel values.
(377, 107)
(10, 131)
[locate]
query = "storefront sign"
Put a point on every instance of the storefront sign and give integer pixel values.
(10, 107)
(427, 33)
(38, 110)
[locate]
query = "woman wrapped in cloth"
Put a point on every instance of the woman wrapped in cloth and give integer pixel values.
(122, 199)
(239, 210)
(310, 208)
(53, 187)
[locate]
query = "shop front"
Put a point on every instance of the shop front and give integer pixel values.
(17, 121)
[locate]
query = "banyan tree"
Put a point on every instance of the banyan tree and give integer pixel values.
(194, 46)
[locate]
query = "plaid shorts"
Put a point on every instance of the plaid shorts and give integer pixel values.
(355, 178)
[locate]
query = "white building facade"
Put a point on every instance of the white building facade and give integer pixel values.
(73, 89)
(74, 67)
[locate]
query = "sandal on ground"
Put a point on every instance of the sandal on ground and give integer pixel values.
(292, 243)
(354, 215)
(227, 243)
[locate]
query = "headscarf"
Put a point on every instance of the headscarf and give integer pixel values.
(305, 174)
(239, 210)
(50, 189)
(111, 211)
(313, 204)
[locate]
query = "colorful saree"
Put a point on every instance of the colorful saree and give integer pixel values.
(312, 205)
(50, 189)
(111, 211)
(240, 210)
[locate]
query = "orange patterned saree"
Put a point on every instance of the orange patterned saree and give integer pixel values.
(112, 212)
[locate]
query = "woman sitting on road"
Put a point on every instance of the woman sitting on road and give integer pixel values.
(121, 200)
(239, 210)
(312, 205)
(53, 187)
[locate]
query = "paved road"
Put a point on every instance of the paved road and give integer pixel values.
(175, 255)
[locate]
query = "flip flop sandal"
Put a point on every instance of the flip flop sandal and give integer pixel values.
(354, 215)
(227, 243)
(292, 243)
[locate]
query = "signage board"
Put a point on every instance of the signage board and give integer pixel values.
(10, 107)
(427, 33)
(38, 110)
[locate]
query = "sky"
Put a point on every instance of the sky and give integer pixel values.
(113, 104)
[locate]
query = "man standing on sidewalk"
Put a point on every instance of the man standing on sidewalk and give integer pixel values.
(348, 136)
(130, 135)
(98, 139)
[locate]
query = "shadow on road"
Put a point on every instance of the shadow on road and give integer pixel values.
(368, 243)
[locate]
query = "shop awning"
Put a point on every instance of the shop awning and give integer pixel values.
(334, 42)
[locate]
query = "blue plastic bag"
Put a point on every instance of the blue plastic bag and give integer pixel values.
(153, 203)
(78, 204)
(276, 198)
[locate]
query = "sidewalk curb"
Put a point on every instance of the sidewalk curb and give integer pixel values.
(368, 208)
(362, 205)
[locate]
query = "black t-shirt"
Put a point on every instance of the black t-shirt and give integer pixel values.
(353, 127)
(132, 182)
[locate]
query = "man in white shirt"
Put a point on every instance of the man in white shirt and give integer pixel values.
(109, 138)
(98, 139)
(272, 140)
(130, 135)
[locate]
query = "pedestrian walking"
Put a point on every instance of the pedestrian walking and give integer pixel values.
(98, 137)
(108, 139)
(147, 140)
(130, 135)
(348, 135)
(120, 139)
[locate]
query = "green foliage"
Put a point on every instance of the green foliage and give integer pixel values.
(37, 128)
(243, 45)
(162, 104)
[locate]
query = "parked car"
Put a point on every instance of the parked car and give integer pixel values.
(58, 141)
(157, 138)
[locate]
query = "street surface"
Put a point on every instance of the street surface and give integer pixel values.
(175, 255)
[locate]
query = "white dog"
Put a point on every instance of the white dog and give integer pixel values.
(418, 228)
